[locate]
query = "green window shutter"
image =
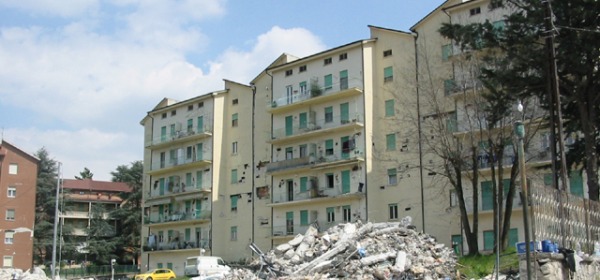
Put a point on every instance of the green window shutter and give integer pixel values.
(548, 178)
(161, 185)
(449, 86)
(488, 240)
(303, 184)
(188, 179)
(389, 108)
(190, 124)
(388, 74)
(188, 234)
(576, 183)
(159, 265)
(199, 152)
(329, 144)
(345, 112)
(487, 197)
(346, 181)
(328, 81)
(200, 124)
(505, 186)
(344, 74)
(173, 130)
(392, 171)
(163, 134)
(499, 25)
(234, 176)
(234, 200)
(198, 179)
(303, 120)
(390, 142)
(343, 79)
(289, 125)
(451, 123)
(513, 237)
(188, 206)
(446, 52)
(303, 217)
(330, 210)
(457, 241)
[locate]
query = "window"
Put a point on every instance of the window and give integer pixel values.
(329, 180)
(453, 198)
(327, 61)
(389, 108)
(487, 198)
(190, 125)
(344, 56)
(328, 147)
(392, 175)
(9, 236)
(234, 101)
(13, 169)
(499, 25)
(475, 11)
(159, 265)
(7, 261)
(457, 244)
(12, 192)
(234, 148)
(330, 214)
(190, 107)
(393, 209)
(289, 72)
(387, 53)
(303, 217)
(289, 223)
(164, 115)
(545, 141)
(303, 88)
(303, 184)
(189, 152)
(451, 122)
(302, 68)
(289, 153)
(343, 79)
(513, 237)
(174, 112)
(390, 142)
(234, 120)
(449, 86)
(488, 240)
(328, 82)
(234, 200)
(200, 105)
(234, 176)
(388, 74)
(347, 213)
(329, 114)
(446, 52)
(233, 233)
(576, 183)
(10, 214)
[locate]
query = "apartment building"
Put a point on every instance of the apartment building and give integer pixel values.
(18, 180)
(82, 198)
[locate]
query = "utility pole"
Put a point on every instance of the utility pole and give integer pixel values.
(56, 218)
(556, 115)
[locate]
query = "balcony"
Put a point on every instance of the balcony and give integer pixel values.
(316, 128)
(179, 189)
(178, 217)
(350, 156)
(176, 245)
(178, 163)
(180, 136)
(315, 95)
(75, 214)
(290, 231)
(316, 193)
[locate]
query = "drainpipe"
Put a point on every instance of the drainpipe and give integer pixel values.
(420, 134)
(253, 87)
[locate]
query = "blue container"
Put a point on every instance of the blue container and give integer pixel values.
(534, 246)
(548, 246)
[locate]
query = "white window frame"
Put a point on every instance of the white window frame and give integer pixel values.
(393, 211)
(13, 169)
(234, 147)
(11, 192)
(7, 261)
(9, 236)
(8, 218)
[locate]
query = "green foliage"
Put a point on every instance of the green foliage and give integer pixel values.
(477, 267)
(47, 179)
(101, 242)
(85, 174)
(129, 214)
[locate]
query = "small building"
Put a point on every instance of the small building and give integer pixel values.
(18, 180)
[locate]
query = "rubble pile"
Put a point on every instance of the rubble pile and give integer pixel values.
(356, 251)
(13, 273)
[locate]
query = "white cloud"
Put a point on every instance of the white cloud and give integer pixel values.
(52, 7)
(97, 86)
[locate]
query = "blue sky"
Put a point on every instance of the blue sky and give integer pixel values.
(78, 76)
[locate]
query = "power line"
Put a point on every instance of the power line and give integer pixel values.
(578, 29)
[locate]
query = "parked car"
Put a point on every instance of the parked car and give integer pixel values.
(204, 266)
(157, 274)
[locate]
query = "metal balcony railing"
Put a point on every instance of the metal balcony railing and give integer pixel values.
(315, 91)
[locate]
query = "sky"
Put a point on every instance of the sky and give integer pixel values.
(78, 76)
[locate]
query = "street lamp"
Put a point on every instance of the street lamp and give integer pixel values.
(520, 133)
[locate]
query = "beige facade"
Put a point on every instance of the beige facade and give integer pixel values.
(343, 135)
(18, 180)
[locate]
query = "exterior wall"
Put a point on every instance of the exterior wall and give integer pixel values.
(20, 252)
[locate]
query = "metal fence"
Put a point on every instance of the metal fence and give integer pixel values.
(564, 218)
(97, 272)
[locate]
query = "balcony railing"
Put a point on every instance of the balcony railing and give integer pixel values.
(180, 135)
(295, 229)
(179, 161)
(315, 125)
(176, 245)
(290, 163)
(314, 92)
(180, 188)
(351, 154)
(316, 190)
(177, 217)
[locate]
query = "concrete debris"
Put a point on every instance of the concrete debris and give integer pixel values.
(18, 274)
(355, 251)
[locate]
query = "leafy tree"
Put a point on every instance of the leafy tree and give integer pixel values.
(85, 174)
(129, 214)
(101, 243)
(45, 206)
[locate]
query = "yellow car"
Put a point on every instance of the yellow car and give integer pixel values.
(157, 274)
